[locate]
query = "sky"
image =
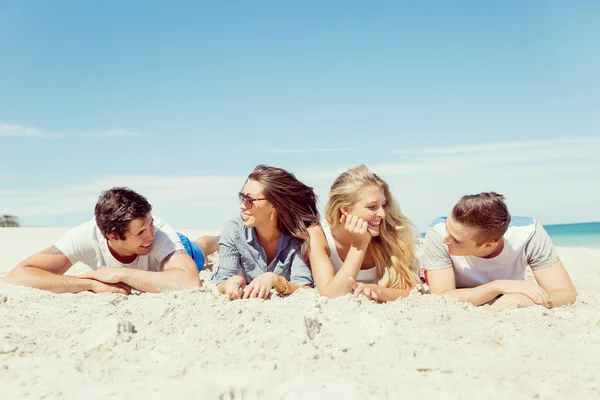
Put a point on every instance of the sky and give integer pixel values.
(180, 100)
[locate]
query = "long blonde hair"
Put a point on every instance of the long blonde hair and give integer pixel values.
(394, 249)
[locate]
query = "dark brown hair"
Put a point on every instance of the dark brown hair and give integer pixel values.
(486, 211)
(295, 202)
(117, 207)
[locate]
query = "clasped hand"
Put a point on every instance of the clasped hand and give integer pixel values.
(107, 280)
(236, 288)
(534, 292)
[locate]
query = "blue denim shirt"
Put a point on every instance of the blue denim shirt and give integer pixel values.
(240, 253)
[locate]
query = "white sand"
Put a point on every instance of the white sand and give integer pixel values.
(196, 344)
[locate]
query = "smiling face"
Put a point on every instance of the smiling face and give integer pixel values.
(138, 238)
(256, 212)
(462, 240)
(370, 207)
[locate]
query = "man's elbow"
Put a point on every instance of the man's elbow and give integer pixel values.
(564, 297)
(192, 282)
(18, 276)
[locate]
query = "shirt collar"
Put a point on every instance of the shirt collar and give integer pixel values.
(251, 236)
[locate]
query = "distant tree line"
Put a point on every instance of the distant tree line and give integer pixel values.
(9, 221)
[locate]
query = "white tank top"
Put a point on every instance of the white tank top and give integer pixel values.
(364, 275)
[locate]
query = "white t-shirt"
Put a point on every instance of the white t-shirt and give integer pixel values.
(525, 243)
(364, 275)
(85, 243)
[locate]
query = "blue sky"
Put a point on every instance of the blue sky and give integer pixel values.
(180, 100)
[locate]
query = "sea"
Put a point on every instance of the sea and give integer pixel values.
(575, 235)
(585, 234)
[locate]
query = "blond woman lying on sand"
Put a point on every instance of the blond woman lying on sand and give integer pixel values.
(266, 246)
(366, 244)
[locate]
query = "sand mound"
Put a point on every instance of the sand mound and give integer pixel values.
(197, 344)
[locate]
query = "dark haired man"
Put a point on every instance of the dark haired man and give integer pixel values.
(480, 252)
(124, 245)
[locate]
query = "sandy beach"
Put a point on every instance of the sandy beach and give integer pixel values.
(196, 344)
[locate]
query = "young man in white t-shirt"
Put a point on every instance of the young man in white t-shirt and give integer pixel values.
(126, 248)
(480, 252)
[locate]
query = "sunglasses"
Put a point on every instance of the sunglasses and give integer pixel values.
(248, 201)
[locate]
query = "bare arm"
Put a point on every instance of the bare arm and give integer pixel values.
(179, 272)
(443, 283)
(378, 293)
(391, 294)
(556, 282)
(328, 283)
(45, 270)
(283, 288)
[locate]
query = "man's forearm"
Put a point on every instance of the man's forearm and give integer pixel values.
(39, 279)
(477, 296)
(157, 282)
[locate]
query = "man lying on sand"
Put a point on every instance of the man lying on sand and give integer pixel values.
(479, 253)
(124, 245)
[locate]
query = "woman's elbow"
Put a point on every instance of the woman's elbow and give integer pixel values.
(327, 292)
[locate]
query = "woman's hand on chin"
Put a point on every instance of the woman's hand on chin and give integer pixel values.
(358, 228)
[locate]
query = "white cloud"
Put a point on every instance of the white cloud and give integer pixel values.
(274, 149)
(495, 147)
(555, 181)
(443, 160)
(29, 131)
(113, 132)
(19, 130)
(81, 198)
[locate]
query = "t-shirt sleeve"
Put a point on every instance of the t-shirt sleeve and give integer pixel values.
(436, 254)
(300, 272)
(166, 242)
(77, 245)
(540, 251)
(229, 263)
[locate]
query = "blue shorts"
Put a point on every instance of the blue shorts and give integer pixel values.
(193, 250)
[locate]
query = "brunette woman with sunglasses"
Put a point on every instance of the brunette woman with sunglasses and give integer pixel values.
(266, 247)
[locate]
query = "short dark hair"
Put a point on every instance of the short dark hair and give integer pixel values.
(486, 211)
(295, 202)
(117, 207)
